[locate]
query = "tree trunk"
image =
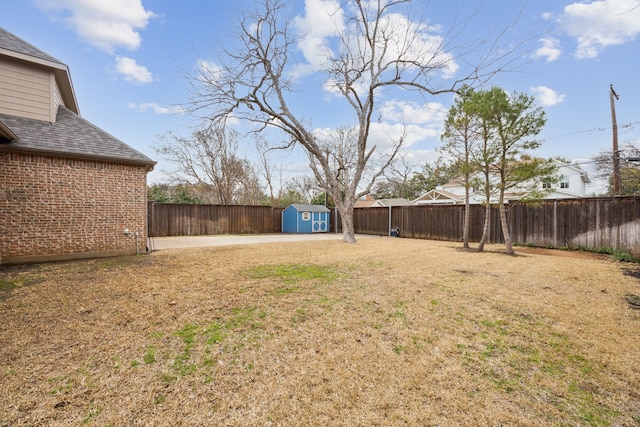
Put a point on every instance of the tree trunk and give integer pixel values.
(487, 227)
(505, 229)
(348, 234)
(467, 216)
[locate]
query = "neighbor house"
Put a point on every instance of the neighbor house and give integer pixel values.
(370, 202)
(571, 183)
(69, 189)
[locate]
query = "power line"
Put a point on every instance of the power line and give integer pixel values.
(627, 11)
(630, 126)
(575, 133)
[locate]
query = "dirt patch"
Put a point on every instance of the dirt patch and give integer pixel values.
(382, 332)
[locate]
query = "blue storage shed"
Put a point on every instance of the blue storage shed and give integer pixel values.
(298, 218)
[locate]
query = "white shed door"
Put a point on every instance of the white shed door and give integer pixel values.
(319, 222)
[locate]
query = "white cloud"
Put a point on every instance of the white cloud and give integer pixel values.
(209, 70)
(547, 97)
(156, 108)
(600, 24)
(384, 134)
(550, 49)
(414, 122)
(412, 112)
(106, 24)
(426, 48)
(325, 20)
(131, 71)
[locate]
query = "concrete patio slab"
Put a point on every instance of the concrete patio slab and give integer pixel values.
(160, 243)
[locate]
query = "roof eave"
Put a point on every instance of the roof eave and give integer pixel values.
(149, 164)
(63, 78)
(6, 132)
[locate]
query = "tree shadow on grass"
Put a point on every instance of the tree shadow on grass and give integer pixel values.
(632, 300)
(632, 272)
(9, 279)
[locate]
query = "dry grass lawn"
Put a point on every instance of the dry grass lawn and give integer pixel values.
(384, 332)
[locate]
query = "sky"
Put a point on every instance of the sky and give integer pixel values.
(131, 62)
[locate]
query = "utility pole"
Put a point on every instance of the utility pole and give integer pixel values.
(616, 152)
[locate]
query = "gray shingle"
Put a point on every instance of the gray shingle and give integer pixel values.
(16, 44)
(70, 135)
(309, 208)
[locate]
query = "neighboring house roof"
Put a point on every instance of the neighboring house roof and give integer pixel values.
(558, 193)
(71, 136)
(371, 203)
(364, 203)
(438, 196)
(309, 208)
(583, 175)
(455, 182)
(14, 47)
(392, 202)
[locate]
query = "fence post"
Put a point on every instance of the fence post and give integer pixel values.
(555, 223)
(149, 218)
(612, 222)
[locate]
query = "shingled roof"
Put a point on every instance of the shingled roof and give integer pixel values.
(70, 136)
(16, 44)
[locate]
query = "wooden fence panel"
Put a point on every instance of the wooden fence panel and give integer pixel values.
(168, 219)
(573, 223)
(372, 220)
(613, 223)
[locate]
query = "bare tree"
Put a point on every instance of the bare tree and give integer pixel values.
(306, 186)
(266, 167)
(209, 159)
(398, 180)
(629, 170)
(342, 168)
(376, 47)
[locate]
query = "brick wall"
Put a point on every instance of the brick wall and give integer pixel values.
(54, 208)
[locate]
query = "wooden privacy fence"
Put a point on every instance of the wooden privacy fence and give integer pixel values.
(168, 219)
(573, 223)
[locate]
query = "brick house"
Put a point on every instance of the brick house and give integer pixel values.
(69, 189)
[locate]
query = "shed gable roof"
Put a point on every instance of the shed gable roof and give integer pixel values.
(70, 136)
(309, 208)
